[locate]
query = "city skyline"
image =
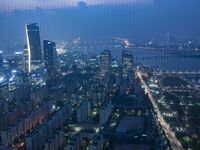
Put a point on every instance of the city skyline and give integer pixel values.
(138, 21)
(99, 75)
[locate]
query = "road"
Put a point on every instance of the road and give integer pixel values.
(175, 144)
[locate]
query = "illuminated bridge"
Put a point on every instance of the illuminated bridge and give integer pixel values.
(159, 58)
(177, 72)
(169, 56)
(186, 74)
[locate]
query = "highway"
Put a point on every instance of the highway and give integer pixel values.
(175, 144)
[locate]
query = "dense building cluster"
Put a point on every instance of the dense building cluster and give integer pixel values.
(74, 100)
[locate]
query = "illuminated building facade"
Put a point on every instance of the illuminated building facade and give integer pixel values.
(1, 60)
(105, 62)
(33, 45)
(127, 63)
(50, 55)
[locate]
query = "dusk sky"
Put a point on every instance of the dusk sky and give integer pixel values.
(67, 19)
(10, 5)
(100, 74)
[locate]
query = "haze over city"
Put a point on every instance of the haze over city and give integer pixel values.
(65, 20)
(99, 74)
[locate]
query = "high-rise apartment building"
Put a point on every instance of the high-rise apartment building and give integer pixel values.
(127, 63)
(50, 55)
(105, 62)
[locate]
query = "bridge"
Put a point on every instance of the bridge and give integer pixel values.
(162, 58)
(176, 72)
(169, 56)
(185, 74)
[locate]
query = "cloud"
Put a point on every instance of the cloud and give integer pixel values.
(82, 4)
(10, 5)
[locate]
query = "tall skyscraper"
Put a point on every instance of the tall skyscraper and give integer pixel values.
(1, 60)
(127, 63)
(19, 59)
(105, 62)
(33, 45)
(50, 55)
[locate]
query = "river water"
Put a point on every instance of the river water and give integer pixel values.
(170, 63)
